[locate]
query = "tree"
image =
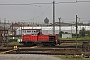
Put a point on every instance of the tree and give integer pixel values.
(88, 32)
(60, 33)
(82, 32)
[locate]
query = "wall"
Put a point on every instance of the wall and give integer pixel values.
(66, 35)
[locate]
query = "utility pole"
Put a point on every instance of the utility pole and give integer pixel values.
(4, 32)
(59, 26)
(53, 17)
(4, 23)
(76, 31)
(21, 29)
(71, 28)
(12, 26)
(0, 20)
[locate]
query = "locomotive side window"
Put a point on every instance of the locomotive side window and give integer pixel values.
(37, 31)
(24, 31)
(28, 31)
(34, 31)
(31, 31)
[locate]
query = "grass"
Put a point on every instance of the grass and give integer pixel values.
(71, 57)
(10, 38)
(70, 44)
(13, 43)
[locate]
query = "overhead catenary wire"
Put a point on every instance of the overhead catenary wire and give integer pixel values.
(40, 3)
(65, 2)
(19, 3)
(72, 2)
(72, 20)
(24, 4)
(83, 1)
(42, 12)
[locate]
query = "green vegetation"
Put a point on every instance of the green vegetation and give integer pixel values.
(13, 43)
(71, 57)
(79, 38)
(83, 35)
(13, 39)
(70, 44)
(16, 38)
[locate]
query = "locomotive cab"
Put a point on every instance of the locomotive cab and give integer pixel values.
(30, 31)
(51, 38)
(29, 36)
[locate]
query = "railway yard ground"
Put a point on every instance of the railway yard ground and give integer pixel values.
(27, 57)
(38, 57)
(65, 51)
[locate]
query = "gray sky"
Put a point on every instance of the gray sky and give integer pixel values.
(38, 12)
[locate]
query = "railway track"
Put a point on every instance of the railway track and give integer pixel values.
(43, 50)
(52, 50)
(48, 51)
(39, 46)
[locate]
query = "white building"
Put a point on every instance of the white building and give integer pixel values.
(49, 29)
(66, 35)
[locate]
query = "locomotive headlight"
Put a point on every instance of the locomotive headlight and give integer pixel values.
(56, 41)
(19, 40)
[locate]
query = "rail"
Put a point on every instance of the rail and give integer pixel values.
(73, 41)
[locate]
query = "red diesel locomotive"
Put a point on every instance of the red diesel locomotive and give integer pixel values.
(35, 36)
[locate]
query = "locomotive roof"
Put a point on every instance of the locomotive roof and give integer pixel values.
(31, 29)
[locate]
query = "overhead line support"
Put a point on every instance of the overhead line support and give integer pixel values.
(53, 17)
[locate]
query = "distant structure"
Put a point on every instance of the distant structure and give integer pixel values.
(66, 35)
(46, 21)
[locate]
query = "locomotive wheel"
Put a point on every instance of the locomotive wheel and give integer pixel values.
(52, 44)
(49, 44)
(28, 44)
